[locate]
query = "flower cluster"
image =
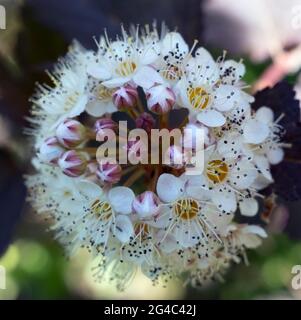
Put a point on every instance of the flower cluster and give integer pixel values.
(152, 216)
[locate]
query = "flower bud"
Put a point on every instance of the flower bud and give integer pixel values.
(125, 97)
(145, 121)
(160, 99)
(71, 133)
(108, 172)
(73, 163)
(102, 125)
(146, 204)
(51, 150)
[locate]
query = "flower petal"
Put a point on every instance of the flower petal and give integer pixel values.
(275, 156)
(98, 72)
(147, 77)
(173, 41)
(79, 107)
(166, 242)
(89, 189)
(255, 131)
(263, 166)
(230, 145)
(196, 186)
(224, 200)
(122, 228)
(169, 187)
(211, 118)
(226, 97)
(243, 174)
(98, 108)
(248, 207)
(116, 82)
(121, 199)
(265, 115)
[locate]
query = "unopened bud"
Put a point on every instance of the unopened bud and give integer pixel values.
(51, 150)
(145, 121)
(102, 125)
(146, 204)
(125, 97)
(73, 163)
(71, 133)
(160, 99)
(108, 172)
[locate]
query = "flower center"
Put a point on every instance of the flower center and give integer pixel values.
(126, 68)
(104, 93)
(71, 100)
(102, 209)
(172, 73)
(186, 209)
(141, 229)
(198, 97)
(217, 171)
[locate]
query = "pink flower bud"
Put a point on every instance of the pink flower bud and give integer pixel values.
(175, 157)
(71, 133)
(146, 204)
(108, 171)
(145, 121)
(51, 150)
(125, 97)
(73, 163)
(160, 99)
(102, 125)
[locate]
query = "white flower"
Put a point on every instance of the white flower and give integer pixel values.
(50, 150)
(262, 129)
(68, 99)
(185, 215)
(245, 236)
(108, 211)
(225, 178)
(200, 92)
(174, 55)
(231, 71)
(127, 60)
(100, 100)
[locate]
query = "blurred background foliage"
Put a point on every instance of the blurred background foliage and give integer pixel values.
(262, 32)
